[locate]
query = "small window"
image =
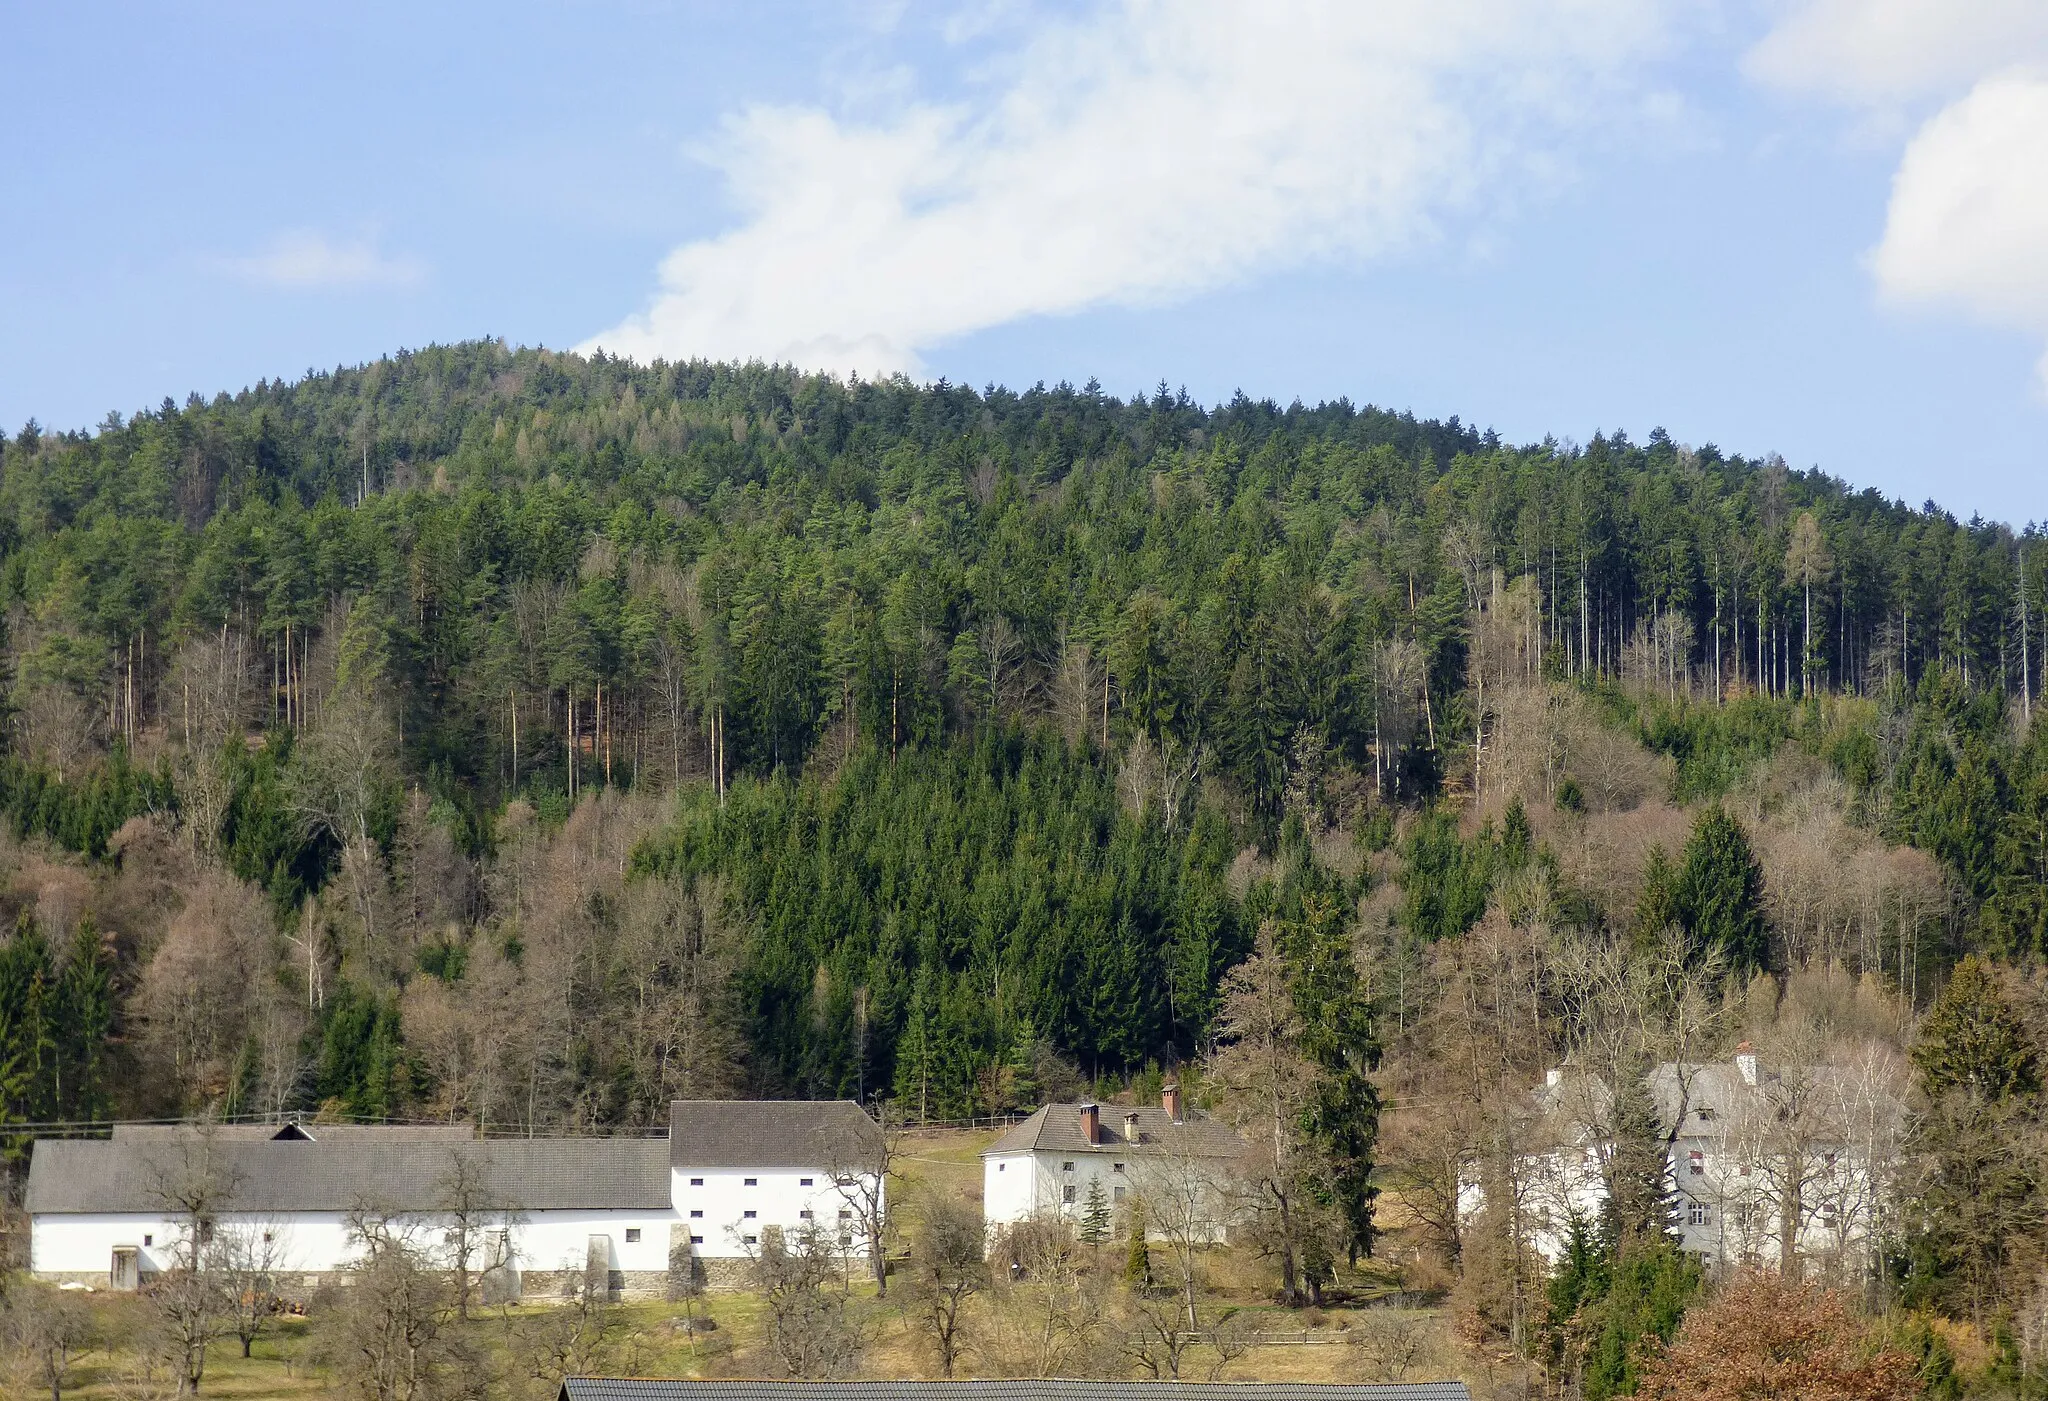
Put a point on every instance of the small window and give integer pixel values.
(1066, 1167)
(846, 1216)
(751, 1182)
(845, 1238)
(447, 1237)
(1002, 1167)
(632, 1235)
(749, 1240)
(1696, 1214)
(748, 1215)
(1696, 1162)
(1743, 1170)
(1116, 1167)
(1831, 1160)
(803, 1216)
(1705, 1112)
(1067, 1193)
(803, 1182)
(696, 1216)
(696, 1182)
(149, 1240)
(1118, 1194)
(696, 1240)
(268, 1238)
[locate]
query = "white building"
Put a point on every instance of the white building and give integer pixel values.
(1052, 1163)
(301, 1201)
(1764, 1162)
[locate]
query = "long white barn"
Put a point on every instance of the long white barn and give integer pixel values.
(541, 1213)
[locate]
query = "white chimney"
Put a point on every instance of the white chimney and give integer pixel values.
(1131, 1126)
(1745, 1061)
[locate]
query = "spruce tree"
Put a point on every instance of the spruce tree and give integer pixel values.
(1721, 892)
(1095, 1219)
(1974, 1040)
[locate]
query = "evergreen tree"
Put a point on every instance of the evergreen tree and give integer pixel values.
(1095, 1215)
(1720, 892)
(1974, 1040)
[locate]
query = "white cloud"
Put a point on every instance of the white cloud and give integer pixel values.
(1967, 227)
(1143, 155)
(1968, 222)
(306, 258)
(1883, 51)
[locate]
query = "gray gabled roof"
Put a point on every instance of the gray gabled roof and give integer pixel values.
(295, 1129)
(621, 1389)
(769, 1133)
(408, 1175)
(1056, 1128)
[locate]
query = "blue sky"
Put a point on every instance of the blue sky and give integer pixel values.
(1818, 228)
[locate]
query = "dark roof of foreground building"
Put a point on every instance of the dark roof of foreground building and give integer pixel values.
(769, 1133)
(395, 1174)
(1056, 1128)
(620, 1389)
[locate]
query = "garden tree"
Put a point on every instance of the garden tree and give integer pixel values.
(49, 1331)
(1048, 1310)
(860, 1162)
(1719, 896)
(473, 1207)
(948, 1267)
(251, 1257)
(389, 1334)
(1768, 1337)
(584, 1334)
(810, 1329)
(194, 1184)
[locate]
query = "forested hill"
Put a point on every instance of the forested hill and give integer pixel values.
(509, 734)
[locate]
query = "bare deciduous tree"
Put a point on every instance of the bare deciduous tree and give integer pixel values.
(948, 1267)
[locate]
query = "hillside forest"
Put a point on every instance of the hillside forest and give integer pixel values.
(506, 736)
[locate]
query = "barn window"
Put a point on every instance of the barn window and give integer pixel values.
(632, 1234)
(846, 1216)
(696, 1182)
(748, 1215)
(1002, 1167)
(803, 1216)
(149, 1240)
(696, 1215)
(751, 1182)
(696, 1240)
(749, 1240)
(803, 1182)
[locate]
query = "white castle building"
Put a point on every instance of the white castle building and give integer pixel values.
(1765, 1163)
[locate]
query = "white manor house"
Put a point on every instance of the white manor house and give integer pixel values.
(1771, 1165)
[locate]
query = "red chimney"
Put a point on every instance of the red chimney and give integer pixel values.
(1091, 1123)
(1169, 1100)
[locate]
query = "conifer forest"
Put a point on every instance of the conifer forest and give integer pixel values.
(505, 736)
